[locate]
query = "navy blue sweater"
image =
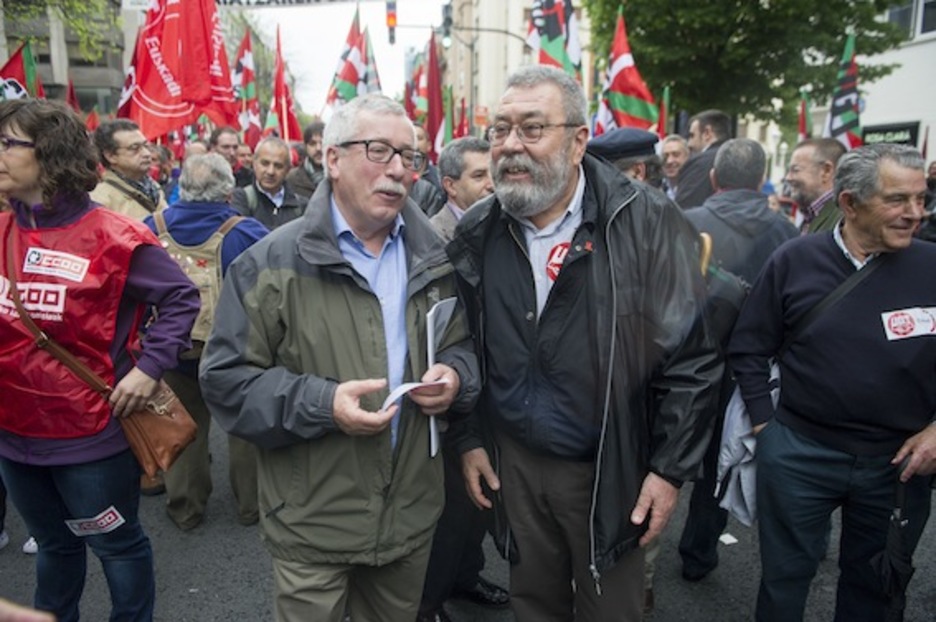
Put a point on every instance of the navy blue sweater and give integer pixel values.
(843, 382)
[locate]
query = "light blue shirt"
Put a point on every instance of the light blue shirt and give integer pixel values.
(387, 277)
(545, 246)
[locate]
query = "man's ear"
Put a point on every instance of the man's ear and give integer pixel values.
(847, 203)
(713, 179)
(448, 184)
(331, 160)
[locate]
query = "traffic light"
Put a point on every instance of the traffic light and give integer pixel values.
(447, 25)
(391, 20)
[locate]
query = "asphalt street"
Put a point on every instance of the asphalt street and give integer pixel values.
(220, 571)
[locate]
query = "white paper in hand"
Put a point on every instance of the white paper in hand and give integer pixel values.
(437, 320)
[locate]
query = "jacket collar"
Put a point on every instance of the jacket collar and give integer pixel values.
(606, 189)
(318, 244)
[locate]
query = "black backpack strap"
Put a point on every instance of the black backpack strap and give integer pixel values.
(833, 297)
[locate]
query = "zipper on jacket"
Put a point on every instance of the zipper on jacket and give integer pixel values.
(593, 566)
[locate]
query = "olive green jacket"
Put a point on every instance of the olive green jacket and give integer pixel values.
(829, 215)
(294, 320)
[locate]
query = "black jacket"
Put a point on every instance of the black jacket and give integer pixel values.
(250, 201)
(743, 228)
(694, 185)
(657, 363)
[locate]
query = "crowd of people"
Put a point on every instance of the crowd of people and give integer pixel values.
(515, 340)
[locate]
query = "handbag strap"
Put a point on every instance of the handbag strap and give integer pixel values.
(44, 341)
(833, 297)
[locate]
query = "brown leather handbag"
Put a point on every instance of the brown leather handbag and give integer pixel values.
(158, 433)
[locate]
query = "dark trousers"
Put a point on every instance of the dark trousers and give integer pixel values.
(3, 495)
(456, 557)
(548, 501)
(48, 496)
(705, 521)
(800, 482)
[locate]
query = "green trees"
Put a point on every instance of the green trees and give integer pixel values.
(92, 21)
(745, 56)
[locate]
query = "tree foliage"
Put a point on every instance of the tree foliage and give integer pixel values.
(93, 22)
(740, 56)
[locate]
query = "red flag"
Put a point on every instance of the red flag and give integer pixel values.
(179, 69)
(435, 120)
(19, 77)
(93, 120)
(462, 129)
(282, 108)
(71, 98)
(245, 87)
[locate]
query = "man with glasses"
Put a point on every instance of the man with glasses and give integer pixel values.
(322, 320)
(811, 178)
(126, 186)
(586, 296)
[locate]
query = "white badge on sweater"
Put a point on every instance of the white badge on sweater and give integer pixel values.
(906, 323)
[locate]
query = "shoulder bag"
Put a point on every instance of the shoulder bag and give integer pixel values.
(158, 433)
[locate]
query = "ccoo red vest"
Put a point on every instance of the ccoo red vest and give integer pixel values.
(71, 280)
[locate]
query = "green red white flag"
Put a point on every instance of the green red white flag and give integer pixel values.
(282, 116)
(245, 89)
(19, 77)
(553, 35)
(625, 99)
(804, 124)
(843, 123)
(664, 114)
(356, 73)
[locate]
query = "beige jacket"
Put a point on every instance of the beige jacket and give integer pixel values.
(117, 195)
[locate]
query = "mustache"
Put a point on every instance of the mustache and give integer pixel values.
(517, 161)
(391, 186)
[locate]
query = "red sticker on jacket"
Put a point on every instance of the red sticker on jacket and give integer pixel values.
(556, 256)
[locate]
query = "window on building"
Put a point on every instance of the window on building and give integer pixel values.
(902, 16)
(928, 18)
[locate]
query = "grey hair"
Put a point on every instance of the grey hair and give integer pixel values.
(343, 125)
(858, 170)
(206, 178)
(676, 138)
(452, 159)
(740, 163)
(574, 104)
(277, 142)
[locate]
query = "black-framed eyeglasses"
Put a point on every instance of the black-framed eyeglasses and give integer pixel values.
(528, 132)
(382, 152)
(6, 143)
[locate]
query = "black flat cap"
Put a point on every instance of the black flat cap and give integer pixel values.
(623, 142)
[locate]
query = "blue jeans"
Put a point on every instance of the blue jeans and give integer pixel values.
(48, 496)
(799, 483)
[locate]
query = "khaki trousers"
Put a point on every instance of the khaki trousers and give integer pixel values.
(324, 592)
(188, 482)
